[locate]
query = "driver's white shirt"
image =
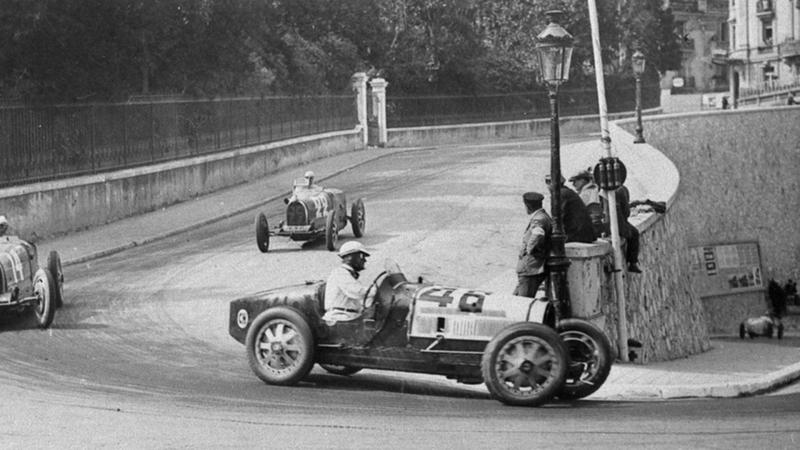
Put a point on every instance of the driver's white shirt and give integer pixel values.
(343, 295)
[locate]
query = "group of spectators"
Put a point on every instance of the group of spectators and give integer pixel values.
(584, 215)
(585, 218)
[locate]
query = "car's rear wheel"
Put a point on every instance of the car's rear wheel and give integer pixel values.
(525, 364)
(331, 231)
(358, 218)
(590, 357)
(340, 370)
(44, 289)
(742, 330)
(280, 346)
(54, 266)
(780, 331)
(262, 233)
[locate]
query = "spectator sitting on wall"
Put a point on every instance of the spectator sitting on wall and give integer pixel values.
(574, 216)
(589, 192)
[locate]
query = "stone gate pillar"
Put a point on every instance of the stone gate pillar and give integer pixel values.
(378, 86)
(360, 87)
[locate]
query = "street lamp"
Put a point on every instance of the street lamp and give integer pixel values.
(554, 52)
(637, 62)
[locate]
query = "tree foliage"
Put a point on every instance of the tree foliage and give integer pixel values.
(99, 50)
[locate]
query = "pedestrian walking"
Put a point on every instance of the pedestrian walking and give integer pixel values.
(531, 267)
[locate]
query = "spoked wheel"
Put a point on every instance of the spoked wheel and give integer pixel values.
(54, 266)
(262, 233)
(280, 346)
(525, 364)
(358, 218)
(590, 358)
(44, 289)
(331, 232)
(340, 370)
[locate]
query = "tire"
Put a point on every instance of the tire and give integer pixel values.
(780, 331)
(54, 266)
(331, 231)
(44, 288)
(340, 370)
(290, 354)
(262, 233)
(358, 218)
(590, 356)
(742, 331)
(525, 364)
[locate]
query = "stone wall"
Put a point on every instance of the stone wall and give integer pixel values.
(740, 180)
(61, 206)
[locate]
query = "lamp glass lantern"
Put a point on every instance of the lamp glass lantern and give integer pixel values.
(554, 51)
(637, 62)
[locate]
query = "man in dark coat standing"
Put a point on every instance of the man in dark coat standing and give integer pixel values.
(531, 270)
(574, 215)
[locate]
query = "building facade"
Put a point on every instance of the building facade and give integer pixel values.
(764, 50)
(703, 27)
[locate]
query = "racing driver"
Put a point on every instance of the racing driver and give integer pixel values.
(344, 294)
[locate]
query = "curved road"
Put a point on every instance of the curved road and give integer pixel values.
(140, 355)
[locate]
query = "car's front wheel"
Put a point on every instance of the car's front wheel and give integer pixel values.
(280, 346)
(44, 289)
(590, 358)
(262, 233)
(331, 231)
(54, 266)
(525, 364)
(358, 218)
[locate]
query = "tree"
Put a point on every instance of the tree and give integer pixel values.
(649, 27)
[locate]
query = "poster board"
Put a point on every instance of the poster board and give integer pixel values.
(729, 268)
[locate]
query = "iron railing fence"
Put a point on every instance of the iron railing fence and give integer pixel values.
(39, 143)
(413, 111)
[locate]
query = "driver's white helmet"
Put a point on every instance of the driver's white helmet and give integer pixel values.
(3, 223)
(350, 247)
(309, 175)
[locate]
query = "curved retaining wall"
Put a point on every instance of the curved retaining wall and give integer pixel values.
(740, 180)
(57, 207)
(662, 310)
(448, 134)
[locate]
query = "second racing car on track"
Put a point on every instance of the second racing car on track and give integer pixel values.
(313, 212)
(512, 344)
(26, 286)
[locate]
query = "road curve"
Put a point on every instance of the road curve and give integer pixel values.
(140, 356)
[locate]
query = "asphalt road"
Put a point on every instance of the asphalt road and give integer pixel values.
(139, 357)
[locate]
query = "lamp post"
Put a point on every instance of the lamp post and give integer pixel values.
(554, 52)
(637, 61)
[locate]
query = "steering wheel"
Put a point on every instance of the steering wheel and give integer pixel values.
(374, 284)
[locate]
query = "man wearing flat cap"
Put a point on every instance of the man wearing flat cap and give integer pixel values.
(531, 271)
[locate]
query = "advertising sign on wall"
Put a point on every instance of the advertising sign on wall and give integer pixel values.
(729, 268)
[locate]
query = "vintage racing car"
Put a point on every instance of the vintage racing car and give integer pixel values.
(313, 212)
(510, 343)
(766, 325)
(25, 285)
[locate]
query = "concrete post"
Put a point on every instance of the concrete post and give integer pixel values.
(360, 87)
(378, 86)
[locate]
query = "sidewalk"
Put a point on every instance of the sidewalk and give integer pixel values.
(732, 368)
